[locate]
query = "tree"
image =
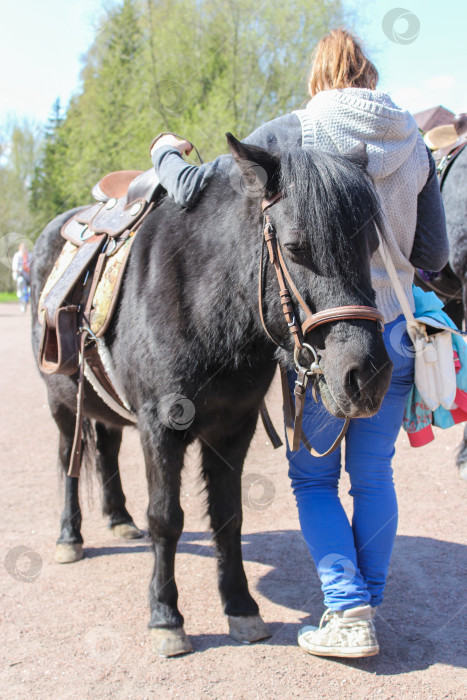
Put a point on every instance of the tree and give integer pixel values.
(195, 67)
(49, 195)
(18, 152)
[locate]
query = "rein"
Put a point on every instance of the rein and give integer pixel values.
(294, 413)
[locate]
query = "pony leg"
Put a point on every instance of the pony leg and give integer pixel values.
(163, 452)
(69, 547)
(462, 456)
(223, 459)
(108, 441)
(461, 460)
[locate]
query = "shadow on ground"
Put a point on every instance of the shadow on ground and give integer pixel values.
(421, 622)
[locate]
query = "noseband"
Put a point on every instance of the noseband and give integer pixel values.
(298, 332)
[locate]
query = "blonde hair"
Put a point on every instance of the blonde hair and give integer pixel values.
(339, 62)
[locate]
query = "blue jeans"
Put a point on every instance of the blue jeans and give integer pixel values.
(352, 560)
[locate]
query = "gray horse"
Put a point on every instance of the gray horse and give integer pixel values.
(451, 284)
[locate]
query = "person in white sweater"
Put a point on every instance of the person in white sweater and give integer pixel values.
(346, 109)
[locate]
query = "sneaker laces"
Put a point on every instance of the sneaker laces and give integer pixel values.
(326, 617)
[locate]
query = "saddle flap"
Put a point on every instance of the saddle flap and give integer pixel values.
(75, 229)
(65, 283)
(115, 217)
(112, 218)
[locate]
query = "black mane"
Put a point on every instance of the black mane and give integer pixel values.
(330, 196)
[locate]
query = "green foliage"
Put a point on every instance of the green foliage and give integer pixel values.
(19, 147)
(195, 67)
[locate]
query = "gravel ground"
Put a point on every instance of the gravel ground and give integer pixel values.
(79, 630)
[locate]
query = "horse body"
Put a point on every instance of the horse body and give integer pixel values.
(451, 283)
(195, 361)
(454, 194)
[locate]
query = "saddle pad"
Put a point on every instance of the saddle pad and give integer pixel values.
(108, 288)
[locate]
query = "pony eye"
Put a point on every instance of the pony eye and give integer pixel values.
(295, 248)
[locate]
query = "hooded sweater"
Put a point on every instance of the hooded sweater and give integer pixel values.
(399, 163)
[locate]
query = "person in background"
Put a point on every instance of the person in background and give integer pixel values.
(21, 275)
(20, 263)
(346, 109)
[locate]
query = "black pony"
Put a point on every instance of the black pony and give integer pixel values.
(191, 353)
(451, 284)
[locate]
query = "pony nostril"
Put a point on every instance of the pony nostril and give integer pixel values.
(352, 384)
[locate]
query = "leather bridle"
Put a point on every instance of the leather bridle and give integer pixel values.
(299, 332)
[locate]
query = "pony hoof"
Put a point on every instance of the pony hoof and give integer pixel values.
(170, 642)
(66, 553)
(127, 531)
(463, 470)
(247, 629)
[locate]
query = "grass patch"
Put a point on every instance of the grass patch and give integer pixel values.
(7, 296)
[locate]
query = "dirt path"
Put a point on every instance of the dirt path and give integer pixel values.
(79, 631)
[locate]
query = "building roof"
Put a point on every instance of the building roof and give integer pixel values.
(435, 116)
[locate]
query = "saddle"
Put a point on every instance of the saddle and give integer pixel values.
(80, 295)
(104, 228)
(446, 136)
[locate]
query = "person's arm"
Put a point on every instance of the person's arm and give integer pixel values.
(277, 135)
(430, 249)
(184, 182)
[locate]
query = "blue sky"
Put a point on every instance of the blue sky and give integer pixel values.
(42, 43)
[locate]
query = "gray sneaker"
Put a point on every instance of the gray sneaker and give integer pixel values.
(348, 633)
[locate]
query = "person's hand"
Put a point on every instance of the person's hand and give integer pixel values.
(182, 146)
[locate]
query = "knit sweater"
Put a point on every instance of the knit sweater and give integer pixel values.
(337, 121)
(416, 224)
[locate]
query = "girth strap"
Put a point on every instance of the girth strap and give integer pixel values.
(75, 458)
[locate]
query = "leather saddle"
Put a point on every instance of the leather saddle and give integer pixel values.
(446, 136)
(123, 199)
(94, 233)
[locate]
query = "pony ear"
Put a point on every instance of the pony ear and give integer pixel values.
(358, 155)
(259, 174)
